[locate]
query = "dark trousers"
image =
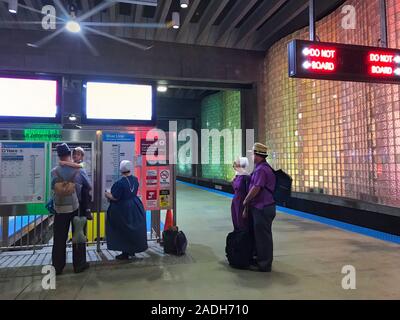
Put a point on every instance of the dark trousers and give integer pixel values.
(84, 204)
(261, 230)
(62, 223)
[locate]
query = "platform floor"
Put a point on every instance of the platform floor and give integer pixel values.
(308, 262)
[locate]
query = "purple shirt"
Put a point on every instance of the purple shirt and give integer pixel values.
(263, 177)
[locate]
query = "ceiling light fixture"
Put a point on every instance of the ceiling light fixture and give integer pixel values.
(184, 4)
(72, 118)
(162, 88)
(176, 20)
(72, 25)
(13, 6)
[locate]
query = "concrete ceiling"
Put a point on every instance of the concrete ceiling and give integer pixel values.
(240, 24)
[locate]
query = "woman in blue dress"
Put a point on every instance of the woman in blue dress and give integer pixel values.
(126, 217)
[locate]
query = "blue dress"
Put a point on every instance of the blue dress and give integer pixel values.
(126, 218)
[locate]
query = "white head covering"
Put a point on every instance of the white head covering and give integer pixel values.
(243, 162)
(125, 166)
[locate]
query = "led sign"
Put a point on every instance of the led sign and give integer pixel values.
(334, 61)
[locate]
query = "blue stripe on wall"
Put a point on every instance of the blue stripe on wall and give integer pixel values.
(333, 223)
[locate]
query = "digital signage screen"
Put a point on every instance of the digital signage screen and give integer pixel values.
(335, 61)
(118, 102)
(29, 100)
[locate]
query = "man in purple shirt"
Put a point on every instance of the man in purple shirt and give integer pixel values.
(260, 205)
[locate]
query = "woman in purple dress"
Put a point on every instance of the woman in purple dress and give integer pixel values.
(240, 187)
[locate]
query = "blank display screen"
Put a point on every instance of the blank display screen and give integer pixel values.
(28, 98)
(116, 101)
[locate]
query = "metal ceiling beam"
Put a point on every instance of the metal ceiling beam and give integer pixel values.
(264, 12)
(152, 3)
(185, 20)
(237, 13)
(138, 19)
(85, 5)
(264, 36)
(210, 15)
(161, 16)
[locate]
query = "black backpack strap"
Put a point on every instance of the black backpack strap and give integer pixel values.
(273, 171)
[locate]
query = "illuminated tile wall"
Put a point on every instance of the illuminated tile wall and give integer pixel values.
(337, 138)
(221, 111)
(184, 169)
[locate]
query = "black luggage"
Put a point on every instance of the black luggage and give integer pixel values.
(239, 249)
(175, 242)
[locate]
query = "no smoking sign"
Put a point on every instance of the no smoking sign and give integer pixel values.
(165, 177)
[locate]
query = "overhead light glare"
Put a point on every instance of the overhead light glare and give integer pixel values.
(73, 26)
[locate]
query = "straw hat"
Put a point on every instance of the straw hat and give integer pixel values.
(260, 149)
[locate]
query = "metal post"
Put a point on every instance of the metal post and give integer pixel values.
(174, 193)
(383, 16)
(99, 191)
(312, 19)
(4, 231)
(155, 224)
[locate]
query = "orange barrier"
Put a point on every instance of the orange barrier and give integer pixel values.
(169, 220)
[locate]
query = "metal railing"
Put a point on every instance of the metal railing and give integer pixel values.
(36, 231)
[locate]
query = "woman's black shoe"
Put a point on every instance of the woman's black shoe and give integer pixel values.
(122, 256)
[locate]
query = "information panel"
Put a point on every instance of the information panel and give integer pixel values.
(88, 160)
(335, 61)
(116, 147)
(22, 177)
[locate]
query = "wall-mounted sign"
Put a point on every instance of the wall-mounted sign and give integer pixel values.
(165, 199)
(151, 178)
(116, 147)
(22, 172)
(165, 178)
(151, 199)
(335, 61)
(153, 147)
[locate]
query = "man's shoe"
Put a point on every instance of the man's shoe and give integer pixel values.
(83, 268)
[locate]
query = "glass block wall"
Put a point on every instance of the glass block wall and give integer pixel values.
(184, 169)
(221, 111)
(337, 138)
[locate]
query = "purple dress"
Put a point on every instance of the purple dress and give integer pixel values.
(240, 187)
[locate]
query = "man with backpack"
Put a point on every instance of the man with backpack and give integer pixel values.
(261, 209)
(66, 185)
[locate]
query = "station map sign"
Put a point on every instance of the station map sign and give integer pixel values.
(22, 172)
(341, 62)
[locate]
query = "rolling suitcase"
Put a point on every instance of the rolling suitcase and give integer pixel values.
(239, 249)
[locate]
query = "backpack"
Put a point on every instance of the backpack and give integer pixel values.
(175, 242)
(283, 186)
(239, 249)
(65, 188)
